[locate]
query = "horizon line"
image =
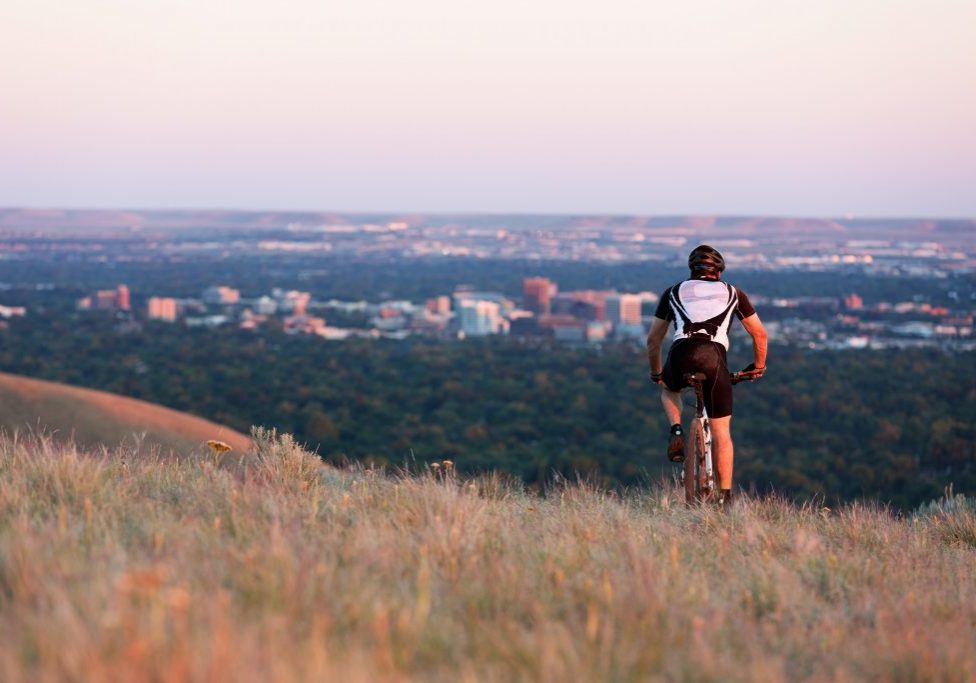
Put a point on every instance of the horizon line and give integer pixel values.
(443, 212)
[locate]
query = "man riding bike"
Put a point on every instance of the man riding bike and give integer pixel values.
(701, 308)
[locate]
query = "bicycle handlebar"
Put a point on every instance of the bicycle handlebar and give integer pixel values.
(737, 377)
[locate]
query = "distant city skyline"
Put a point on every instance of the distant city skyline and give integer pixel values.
(759, 107)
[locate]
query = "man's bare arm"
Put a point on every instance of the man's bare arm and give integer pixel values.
(655, 339)
(754, 327)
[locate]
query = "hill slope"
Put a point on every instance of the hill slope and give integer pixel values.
(90, 418)
(289, 570)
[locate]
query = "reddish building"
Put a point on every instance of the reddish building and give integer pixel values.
(108, 300)
(587, 304)
(122, 299)
(162, 308)
(853, 302)
(537, 293)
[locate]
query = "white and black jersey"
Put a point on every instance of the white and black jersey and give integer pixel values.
(703, 309)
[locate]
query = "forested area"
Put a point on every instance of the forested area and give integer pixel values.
(891, 425)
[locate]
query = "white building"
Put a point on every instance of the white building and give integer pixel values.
(480, 318)
(265, 305)
(12, 311)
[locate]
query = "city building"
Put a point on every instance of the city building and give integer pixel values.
(221, 295)
(537, 293)
(123, 301)
(292, 301)
(207, 321)
(565, 328)
(12, 311)
(162, 308)
(479, 318)
(388, 319)
(597, 331)
(440, 305)
(105, 300)
(505, 304)
(853, 302)
(585, 304)
(304, 324)
(251, 320)
(117, 299)
(623, 309)
(265, 305)
(524, 325)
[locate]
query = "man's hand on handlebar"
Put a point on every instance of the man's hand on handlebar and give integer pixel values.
(750, 373)
(656, 377)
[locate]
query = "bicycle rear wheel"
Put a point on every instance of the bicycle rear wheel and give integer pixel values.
(695, 463)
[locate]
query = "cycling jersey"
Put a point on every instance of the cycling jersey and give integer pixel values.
(703, 309)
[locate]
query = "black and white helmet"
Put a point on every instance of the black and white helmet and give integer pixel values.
(706, 260)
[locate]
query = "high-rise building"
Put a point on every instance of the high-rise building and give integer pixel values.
(479, 318)
(537, 293)
(162, 308)
(123, 302)
(623, 309)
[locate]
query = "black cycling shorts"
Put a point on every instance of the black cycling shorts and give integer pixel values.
(701, 355)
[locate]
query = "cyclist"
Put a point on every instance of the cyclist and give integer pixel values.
(701, 308)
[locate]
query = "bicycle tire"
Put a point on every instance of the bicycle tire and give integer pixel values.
(694, 462)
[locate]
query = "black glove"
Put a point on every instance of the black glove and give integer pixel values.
(656, 377)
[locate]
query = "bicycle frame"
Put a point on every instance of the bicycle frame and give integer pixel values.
(706, 483)
(709, 472)
(697, 474)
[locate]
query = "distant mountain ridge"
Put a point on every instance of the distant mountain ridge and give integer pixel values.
(93, 418)
(109, 219)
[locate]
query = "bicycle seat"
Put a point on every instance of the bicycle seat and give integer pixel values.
(694, 377)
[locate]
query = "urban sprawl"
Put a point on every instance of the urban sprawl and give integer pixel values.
(926, 250)
(580, 317)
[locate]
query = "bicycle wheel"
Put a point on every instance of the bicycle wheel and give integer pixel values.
(695, 472)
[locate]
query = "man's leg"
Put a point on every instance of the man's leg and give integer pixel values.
(722, 451)
(671, 400)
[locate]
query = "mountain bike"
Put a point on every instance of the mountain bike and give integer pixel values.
(698, 475)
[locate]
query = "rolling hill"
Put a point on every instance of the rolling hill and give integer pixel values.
(91, 418)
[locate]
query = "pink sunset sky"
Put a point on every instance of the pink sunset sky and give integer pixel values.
(864, 107)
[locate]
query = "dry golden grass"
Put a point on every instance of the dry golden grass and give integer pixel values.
(90, 417)
(115, 568)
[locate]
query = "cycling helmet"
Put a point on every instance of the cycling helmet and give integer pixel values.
(706, 260)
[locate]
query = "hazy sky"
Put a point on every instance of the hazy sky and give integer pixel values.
(611, 106)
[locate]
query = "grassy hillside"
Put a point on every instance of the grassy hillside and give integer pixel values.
(90, 418)
(279, 568)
